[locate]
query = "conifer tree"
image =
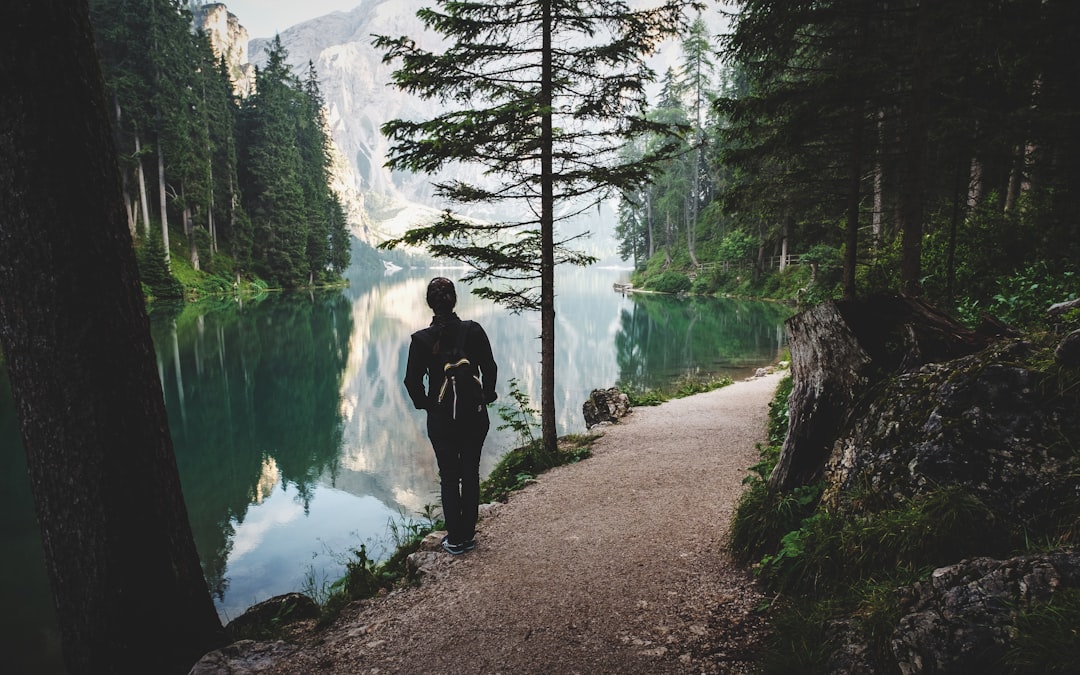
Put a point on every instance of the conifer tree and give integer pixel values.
(542, 95)
(270, 175)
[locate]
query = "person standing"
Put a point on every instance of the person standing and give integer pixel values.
(456, 438)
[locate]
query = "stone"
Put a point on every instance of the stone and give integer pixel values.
(269, 615)
(1068, 350)
(605, 407)
(962, 619)
(980, 423)
(244, 657)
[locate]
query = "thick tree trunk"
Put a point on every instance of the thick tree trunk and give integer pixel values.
(128, 588)
(839, 350)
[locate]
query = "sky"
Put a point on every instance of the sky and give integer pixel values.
(264, 18)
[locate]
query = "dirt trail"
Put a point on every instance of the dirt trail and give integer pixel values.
(614, 565)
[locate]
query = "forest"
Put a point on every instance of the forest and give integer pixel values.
(843, 147)
(219, 190)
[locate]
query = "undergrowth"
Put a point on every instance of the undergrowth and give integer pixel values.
(831, 571)
(686, 385)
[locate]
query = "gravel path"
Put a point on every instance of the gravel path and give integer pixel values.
(613, 565)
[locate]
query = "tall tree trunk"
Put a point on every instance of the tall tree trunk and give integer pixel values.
(879, 186)
(128, 588)
(129, 202)
(548, 429)
(649, 223)
(911, 196)
(189, 231)
(143, 198)
(975, 183)
(691, 225)
(163, 195)
(1016, 177)
(854, 194)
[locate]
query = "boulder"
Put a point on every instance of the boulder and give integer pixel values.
(982, 423)
(605, 407)
(1068, 350)
(962, 620)
(268, 616)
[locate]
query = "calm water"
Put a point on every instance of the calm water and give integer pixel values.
(296, 441)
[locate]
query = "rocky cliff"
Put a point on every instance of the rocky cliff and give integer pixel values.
(228, 39)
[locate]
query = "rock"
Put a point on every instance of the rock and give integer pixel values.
(1060, 308)
(245, 657)
(962, 620)
(268, 616)
(605, 406)
(1068, 351)
(980, 423)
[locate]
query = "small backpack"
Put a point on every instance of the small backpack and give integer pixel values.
(462, 393)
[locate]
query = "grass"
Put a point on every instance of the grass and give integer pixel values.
(687, 385)
(1048, 637)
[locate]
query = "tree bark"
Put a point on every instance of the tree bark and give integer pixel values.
(917, 137)
(548, 429)
(145, 202)
(163, 195)
(128, 588)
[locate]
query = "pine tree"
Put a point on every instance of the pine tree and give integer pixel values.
(270, 173)
(544, 93)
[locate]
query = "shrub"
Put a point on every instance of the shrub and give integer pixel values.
(671, 282)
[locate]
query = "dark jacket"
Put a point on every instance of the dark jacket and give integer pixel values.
(426, 359)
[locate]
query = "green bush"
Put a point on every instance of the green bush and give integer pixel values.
(671, 282)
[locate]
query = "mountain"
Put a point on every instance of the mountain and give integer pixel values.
(359, 98)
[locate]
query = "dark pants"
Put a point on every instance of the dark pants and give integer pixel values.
(457, 449)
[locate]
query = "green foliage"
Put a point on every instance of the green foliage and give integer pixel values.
(525, 463)
(364, 577)
(685, 385)
(670, 282)
(832, 549)
(175, 109)
(1022, 298)
(737, 246)
(491, 74)
(154, 271)
(521, 418)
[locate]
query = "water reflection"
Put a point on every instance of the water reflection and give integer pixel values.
(296, 441)
(662, 338)
(252, 394)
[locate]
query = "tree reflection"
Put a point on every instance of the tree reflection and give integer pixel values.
(253, 397)
(662, 337)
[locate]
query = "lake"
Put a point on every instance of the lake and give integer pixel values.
(296, 441)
